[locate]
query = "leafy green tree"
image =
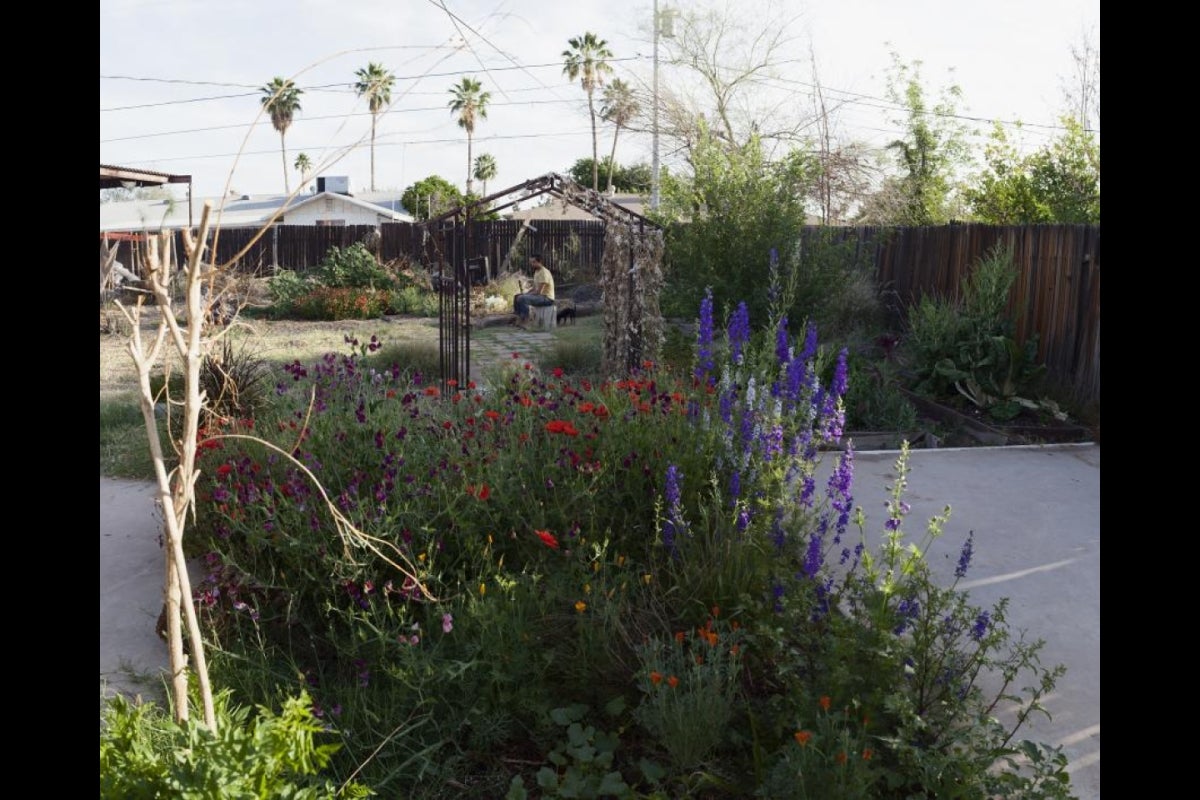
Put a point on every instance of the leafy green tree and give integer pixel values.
(1059, 183)
(723, 225)
(485, 169)
(587, 59)
(281, 99)
(620, 106)
(374, 83)
(430, 196)
(929, 155)
(470, 102)
(634, 178)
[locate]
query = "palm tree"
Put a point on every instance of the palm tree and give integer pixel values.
(470, 103)
(587, 59)
(619, 108)
(374, 83)
(303, 165)
(281, 99)
(485, 169)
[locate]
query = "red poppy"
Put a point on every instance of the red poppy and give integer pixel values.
(547, 539)
(431, 391)
(841, 757)
(557, 372)
(803, 737)
(825, 702)
(484, 492)
(224, 469)
(492, 414)
(672, 681)
(586, 408)
(656, 677)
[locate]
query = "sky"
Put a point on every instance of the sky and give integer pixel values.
(180, 80)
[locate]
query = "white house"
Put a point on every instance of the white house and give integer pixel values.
(323, 208)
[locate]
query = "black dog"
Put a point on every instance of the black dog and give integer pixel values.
(566, 315)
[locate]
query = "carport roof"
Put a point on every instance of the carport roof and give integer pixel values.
(115, 177)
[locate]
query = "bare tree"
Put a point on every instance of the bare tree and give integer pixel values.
(1081, 90)
(727, 62)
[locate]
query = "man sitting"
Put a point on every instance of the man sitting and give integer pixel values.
(542, 294)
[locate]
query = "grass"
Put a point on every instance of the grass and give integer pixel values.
(124, 451)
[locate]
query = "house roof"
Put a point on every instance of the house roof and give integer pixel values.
(242, 212)
(561, 208)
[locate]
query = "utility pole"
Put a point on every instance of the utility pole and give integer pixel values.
(654, 188)
(667, 17)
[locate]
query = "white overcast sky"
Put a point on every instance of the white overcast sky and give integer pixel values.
(179, 79)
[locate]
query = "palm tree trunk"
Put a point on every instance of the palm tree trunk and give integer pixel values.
(612, 159)
(468, 162)
(595, 162)
(283, 153)
(372, 152)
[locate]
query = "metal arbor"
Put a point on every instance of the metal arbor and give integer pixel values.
(631, 275)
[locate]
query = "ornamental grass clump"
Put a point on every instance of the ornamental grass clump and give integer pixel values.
(560, 533)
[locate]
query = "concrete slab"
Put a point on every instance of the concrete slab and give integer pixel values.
(132, 564)
(1035, 512)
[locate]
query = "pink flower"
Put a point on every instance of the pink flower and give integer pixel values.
(447, 623)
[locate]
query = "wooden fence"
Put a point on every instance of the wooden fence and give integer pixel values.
(1056, 294)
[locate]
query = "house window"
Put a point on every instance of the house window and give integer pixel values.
(331, 223)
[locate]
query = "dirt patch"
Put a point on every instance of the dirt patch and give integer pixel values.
(277, 341)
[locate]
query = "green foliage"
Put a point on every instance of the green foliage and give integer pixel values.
(431, 196)
(145, 753)
(929, 154)
(583, 762)
(1059, 183)
(632, 178)
(873, 399)
(286, 287)
(353, 267)
(724, 224)
(964, 347)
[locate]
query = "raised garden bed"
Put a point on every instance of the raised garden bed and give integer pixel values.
(1025, 429)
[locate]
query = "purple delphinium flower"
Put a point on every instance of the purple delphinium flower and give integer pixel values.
(907, 611)
(739, 332)
(813, 557)
(773, 273)
(838, 490)
(982, 623)
(735, 486)
(704, 338)
(964, 558)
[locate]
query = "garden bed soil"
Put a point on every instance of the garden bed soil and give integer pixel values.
(1028, 427)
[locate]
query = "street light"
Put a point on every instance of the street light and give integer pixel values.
(664, 24)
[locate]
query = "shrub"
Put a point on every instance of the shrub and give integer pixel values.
(285, 289)
(326, 303)
(353, 267)
(965, 348)
(145, 753)
(413, 300)
(235, 380)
